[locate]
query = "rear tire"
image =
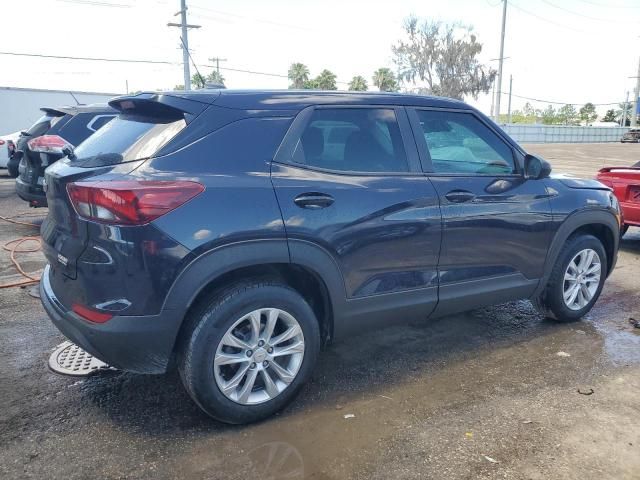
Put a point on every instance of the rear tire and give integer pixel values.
(576, 280)
(235, 341)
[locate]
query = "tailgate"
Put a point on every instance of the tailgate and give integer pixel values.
(64, 234)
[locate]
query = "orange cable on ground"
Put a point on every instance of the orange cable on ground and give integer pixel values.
(13, 246)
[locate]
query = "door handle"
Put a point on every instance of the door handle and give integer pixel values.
(313, 200)
(459, 196)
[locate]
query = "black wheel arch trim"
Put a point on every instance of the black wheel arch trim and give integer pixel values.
(572, 223)
(216, 262)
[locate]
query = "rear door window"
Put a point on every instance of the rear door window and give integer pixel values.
(352, 140)
(127, 138)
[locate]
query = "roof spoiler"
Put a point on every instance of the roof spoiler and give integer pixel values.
(158, 105)
(610, 169)
(56, 112)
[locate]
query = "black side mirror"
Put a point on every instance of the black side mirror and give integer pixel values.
(536, 168)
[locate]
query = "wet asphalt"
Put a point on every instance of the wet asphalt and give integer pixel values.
(497, 392)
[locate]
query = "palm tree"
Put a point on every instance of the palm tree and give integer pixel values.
(358, 84)
(326, 80)
(299, 75)
(385, 80)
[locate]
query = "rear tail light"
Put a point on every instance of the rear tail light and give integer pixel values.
(130, 202)
(48, 144)
(90, 314)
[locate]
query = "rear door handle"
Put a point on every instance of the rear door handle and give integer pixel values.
(459, 196)
(313, 200)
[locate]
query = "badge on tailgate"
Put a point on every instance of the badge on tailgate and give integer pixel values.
(62, 259)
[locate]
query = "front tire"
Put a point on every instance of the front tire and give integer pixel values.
(248, 351)
(576, 280)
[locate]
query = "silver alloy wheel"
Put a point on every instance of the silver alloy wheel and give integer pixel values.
(259, 356)
(581, 279)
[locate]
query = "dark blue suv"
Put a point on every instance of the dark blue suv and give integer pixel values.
(235, 232)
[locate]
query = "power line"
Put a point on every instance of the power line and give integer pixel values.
(582, 15)
(559, 103)
(609, 5)
(143, 61)
(546, 19)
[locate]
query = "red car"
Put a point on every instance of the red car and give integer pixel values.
(625, 182)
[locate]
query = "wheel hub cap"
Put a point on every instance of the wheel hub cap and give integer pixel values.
(259, 356)
(581, 279)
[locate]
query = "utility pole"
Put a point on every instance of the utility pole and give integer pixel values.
(217, 60)
(493, 99)
(185, 41)
(624, 111)
(510, 90)
(636, 93)
(501, 60)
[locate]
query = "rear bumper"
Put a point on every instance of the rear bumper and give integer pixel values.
(140, 344)
(31, 193)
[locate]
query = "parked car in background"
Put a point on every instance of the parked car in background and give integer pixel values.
(52, 137)
(235, 232)
(7, 144)
(625, 182)
(632, 136)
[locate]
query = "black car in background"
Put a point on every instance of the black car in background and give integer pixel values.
(54, 135)
(632, 136)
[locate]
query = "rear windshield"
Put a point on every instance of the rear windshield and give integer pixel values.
(43, 124)
(125, 139)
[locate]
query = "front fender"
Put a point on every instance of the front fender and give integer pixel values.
(573, 222)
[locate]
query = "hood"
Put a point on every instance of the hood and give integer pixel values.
(575, 182)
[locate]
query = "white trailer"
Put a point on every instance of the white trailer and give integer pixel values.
(20, 107)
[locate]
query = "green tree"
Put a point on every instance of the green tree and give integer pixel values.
(567, 115)
(385, 80)
(197, 80)
(610, 116)
(588, 113)
(215, 77)
(444, 56)
(358, 84)
(298, 75)
(529, 111)
(178, 87)
(549, 115)
(326, 80)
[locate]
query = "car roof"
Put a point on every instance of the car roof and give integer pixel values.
(76, 109)
(298, 99)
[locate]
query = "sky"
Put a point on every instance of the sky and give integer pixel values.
(568, 51)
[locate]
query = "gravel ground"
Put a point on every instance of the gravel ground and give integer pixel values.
(477, 395)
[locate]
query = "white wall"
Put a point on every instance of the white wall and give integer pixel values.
(20, 107)
(561, 134)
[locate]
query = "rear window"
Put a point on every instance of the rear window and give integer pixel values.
(125, 139)
(43, 124)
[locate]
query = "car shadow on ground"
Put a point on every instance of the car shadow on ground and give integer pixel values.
(371, 362)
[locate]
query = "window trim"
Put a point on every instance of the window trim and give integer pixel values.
(284, 154)
(98, 117)
(425, 156)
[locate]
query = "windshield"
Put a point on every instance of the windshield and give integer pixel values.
(125, 139)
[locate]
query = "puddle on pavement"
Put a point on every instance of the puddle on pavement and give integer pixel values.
(459, 361)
